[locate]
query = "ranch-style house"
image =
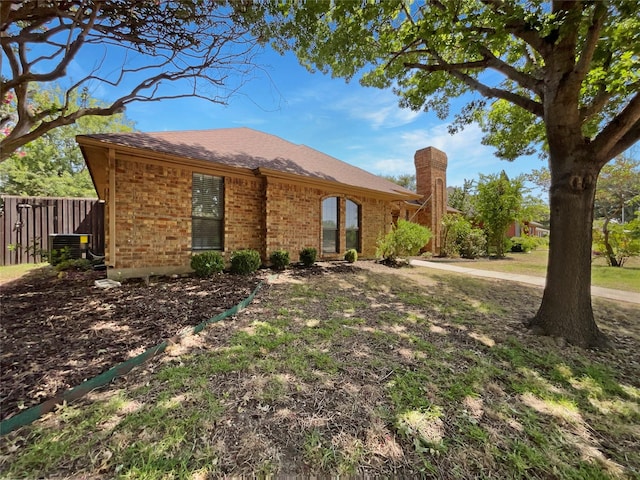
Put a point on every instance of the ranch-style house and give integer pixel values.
(169, 195)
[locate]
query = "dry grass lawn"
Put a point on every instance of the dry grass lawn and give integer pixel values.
(360, 371)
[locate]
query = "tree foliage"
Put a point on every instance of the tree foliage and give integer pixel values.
(617, 242)
(498, 203)
(138, 46)
(561, 76)
(461, 198)
(617, 197)
(405, 180)
(52, 165)
(618, 190)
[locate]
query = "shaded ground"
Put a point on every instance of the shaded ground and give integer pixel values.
(57, 332)
(360, 371)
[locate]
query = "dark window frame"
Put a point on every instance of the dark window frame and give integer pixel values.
(207, 212)
(330, 233)
(358, 218)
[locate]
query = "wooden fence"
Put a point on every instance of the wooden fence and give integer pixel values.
(27, 223)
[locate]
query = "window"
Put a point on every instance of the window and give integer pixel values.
(207, 212)
(353, 225)
(330, 225)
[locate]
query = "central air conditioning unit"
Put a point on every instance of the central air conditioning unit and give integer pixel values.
(68, 246)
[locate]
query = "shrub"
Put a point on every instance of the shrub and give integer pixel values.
(351, 255)
(473, 244)
(59, 255)
(206, 264)
(455, 228)
(405, 239)
(523, 244)
(78, 264)
(460, 238)
(308, 256)
(541, 241)
(245, 262)
(279, 259)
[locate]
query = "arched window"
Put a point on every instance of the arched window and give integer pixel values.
(353, 225)
(330, 225)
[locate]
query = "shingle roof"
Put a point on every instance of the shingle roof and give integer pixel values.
(247, 148)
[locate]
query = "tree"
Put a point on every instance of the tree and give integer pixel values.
(498, 203)
(138, 47)
(619, 242)
(52, 165)
(618, 191)
(461, 198)
(541, 177)
(405, 180)
(562, 75)
(534, 209)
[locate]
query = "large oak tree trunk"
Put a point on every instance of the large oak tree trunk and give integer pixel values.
(566, 303)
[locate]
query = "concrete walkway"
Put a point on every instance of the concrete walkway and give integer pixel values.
(607, 293)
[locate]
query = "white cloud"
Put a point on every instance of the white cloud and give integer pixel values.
(379, 108)
(393, 166)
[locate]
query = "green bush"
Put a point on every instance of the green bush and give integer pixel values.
(523, 244)
(473, 244)
(78, 264)
(308, 256)
(460, 238)
(279, 259)
(245, 262)
(541, 241)
(351, 255)
(405, 239)
(206, 264)
(59, 255)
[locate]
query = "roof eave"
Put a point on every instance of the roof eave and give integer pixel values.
(331, 184)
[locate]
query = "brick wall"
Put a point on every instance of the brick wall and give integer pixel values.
(153, 217)
(293, 218)
(243, 212)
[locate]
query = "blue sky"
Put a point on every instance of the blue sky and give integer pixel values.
(358, 125)
(361, 126)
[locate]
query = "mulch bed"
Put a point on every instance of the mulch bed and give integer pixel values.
(57, 332)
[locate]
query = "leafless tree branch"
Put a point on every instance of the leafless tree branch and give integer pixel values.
(165, 42)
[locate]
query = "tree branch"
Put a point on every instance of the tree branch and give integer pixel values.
(621, 132)
(525, 81)
(591, 41)
(474, 65)
(455, 69)
(519, 27)
(596, 105)
(197, 41)
(523, 102)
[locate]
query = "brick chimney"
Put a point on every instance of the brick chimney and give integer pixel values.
(431, 183)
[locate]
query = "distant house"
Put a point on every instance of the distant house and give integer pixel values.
(169, 195)
(532, 229)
